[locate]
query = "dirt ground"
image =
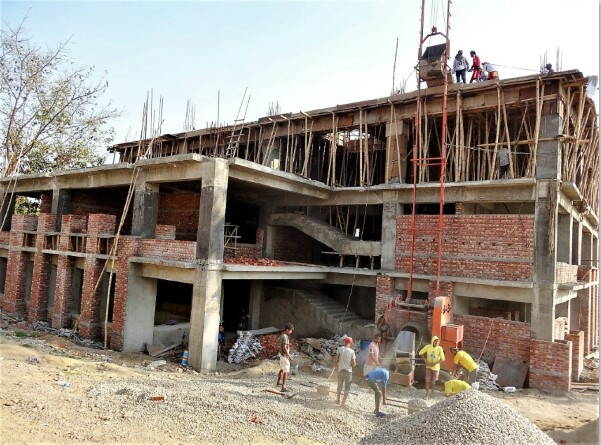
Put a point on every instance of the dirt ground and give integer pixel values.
(54, 391)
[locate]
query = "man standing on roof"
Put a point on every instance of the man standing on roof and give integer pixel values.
(460, 65)
(476, 68)
(433, 356)
(284, 353)
(491, 71)
(503, 158)
(378, 379)
(373, 355)
(548, 69)
(345, 361)
(464, 364)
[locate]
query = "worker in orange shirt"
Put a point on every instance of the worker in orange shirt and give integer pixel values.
(476, 68)
(464, 364)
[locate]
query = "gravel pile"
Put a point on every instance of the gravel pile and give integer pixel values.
(467, 418)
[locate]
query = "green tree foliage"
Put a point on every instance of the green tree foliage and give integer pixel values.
(50, 115)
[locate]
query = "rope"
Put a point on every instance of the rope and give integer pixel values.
(486, 341)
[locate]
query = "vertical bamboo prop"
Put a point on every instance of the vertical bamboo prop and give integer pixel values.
(493, 160)
(360, 147)
(539, 109)
(366, 148)
(511, 171)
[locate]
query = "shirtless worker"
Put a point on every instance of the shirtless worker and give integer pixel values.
(373, 355)
(284, 353)
(464, 364)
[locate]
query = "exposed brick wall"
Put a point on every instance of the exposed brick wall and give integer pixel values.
(566, 273)
(4, 237)
(164, 231)
(126, 248)
(180, 209)
(577, 339)
(508, 339)
(550, 365)
(74, 223)
(586, 320)
(290, 244)
(245, 250)
(45, 202)
(62, 291)
(99, 201)
(384, 293)
(559, 328)
(479, 246)
(168, 249)
(100, 224)
(37, 309)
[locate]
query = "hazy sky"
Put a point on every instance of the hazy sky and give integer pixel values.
(305, 55)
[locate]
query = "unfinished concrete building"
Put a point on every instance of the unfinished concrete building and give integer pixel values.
(305, 217)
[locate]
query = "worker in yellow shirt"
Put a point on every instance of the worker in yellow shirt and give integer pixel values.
(464, 364)
(453, 387)
(433, 356)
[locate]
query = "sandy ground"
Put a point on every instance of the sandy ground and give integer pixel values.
(108, 394)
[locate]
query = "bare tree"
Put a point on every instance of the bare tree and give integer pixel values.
(50, 115)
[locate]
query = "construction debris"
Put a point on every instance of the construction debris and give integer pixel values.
(487, 380)
(254, 261)
(247, 346)
(470, 416)
(67, 333)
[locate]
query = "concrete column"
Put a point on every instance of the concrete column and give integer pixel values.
(211, 220)
(397, 136)
(61, 205)
(576, 243)
(390, 211)
(256, 296)
(564, 238)
(574, 314)
(587, 249)
(548, 158)
(145, 210)
(206, 293)
(7, 211)
(204, 319)
(268, 230)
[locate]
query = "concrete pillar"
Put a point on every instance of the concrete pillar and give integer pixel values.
(564, 238)
(576, 243)
(256, 296)
(138, 328)
(61, 205)
(548, 158)
(204, 318)
(206, 293)
(397, 136)
(390, 211)
(268, 230)
(145, 210)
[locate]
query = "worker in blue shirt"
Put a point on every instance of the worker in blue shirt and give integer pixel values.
(378, 379)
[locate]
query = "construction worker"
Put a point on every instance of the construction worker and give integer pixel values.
(285, 358)
(460, 65)
(377, 380)
(491, 71)
(548, 69)
(503, 158)
(433, 355)
(464, 364)
(476, 68)
(453, 387)
(344, 362)
(373, 355)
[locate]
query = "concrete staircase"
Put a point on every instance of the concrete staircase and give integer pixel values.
(334, 317)
(327, 234)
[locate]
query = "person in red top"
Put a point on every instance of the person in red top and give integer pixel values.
(476, 68)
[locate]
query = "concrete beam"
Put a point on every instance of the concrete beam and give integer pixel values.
(61, 205)
(273, 275)
(168, 273)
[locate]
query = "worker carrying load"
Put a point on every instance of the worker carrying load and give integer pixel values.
(490, 71)
(464, 365)
(476, 68)
(433, 356)
(453, 387)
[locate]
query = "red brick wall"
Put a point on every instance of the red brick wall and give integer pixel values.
(290, 244)
(478, 246)
(45, 202)
(4, 237)
(99, 201)
(164, 231)
(101, 224)
(37, 309)
(126, 248)
(550, 365)
(566, 273)
(577, 339)
(168, 249)
(586, 322)
(180, 209)
(508, 339)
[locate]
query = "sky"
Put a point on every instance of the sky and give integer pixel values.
(304, 55)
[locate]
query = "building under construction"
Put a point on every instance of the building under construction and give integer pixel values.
(313, 217)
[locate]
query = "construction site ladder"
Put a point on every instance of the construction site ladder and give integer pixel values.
(233, 139)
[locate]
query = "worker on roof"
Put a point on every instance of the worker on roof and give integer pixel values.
(453, 387)
(464, 364)
(490, 71)
(285, 358)
(377, 380)
(548, 69)
(476, 68)
(344, 362)
(460, 65)
(504, 163)
(373, 355)
(433, 356)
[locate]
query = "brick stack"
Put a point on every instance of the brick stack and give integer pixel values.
(13, 301)
(38, 303)
(577, 339)
(90, 317)
(269, 343)
(478, 246)
(550, 365)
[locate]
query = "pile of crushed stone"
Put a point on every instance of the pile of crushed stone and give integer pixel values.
(466, 418)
